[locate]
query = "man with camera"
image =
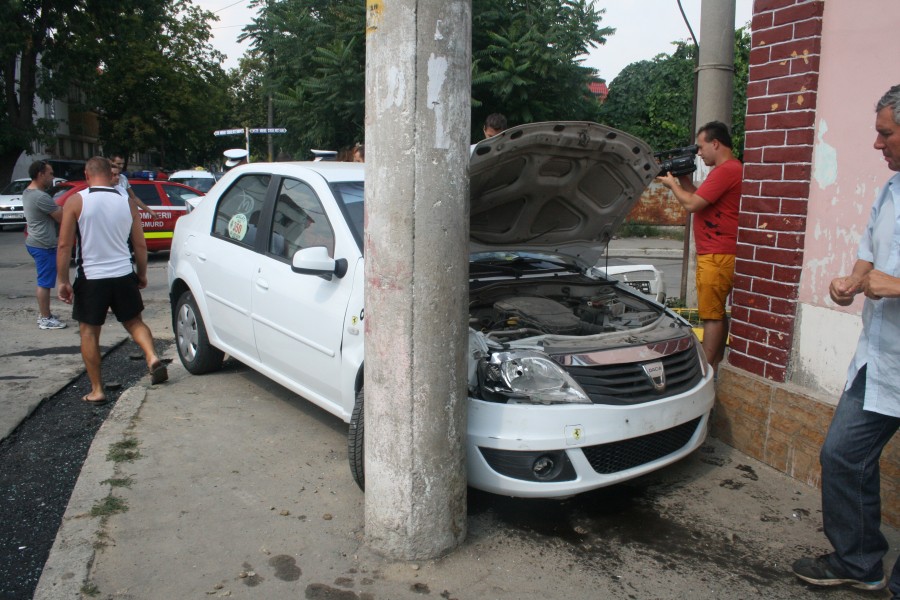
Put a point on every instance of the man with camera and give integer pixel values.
(714, 206)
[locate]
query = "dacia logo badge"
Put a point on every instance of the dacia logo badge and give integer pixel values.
(657, 375)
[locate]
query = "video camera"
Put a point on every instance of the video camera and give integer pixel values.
(677, 161)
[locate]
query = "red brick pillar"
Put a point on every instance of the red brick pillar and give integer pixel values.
(778, 148)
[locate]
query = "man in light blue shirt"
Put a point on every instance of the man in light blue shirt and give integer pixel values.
(868, 413)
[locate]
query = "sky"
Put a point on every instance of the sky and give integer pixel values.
(644, 28)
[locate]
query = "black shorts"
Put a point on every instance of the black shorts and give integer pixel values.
(94, 297)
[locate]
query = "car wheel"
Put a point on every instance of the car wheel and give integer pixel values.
(194, 349)
(355, 441)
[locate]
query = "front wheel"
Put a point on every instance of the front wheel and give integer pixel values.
(355, 441)
(194, 349)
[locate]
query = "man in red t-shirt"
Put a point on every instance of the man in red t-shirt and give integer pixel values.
(714, 205)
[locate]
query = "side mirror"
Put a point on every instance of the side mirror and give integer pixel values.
(315, 261)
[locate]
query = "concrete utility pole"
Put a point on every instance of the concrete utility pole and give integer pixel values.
(418, 60)
(715, 91)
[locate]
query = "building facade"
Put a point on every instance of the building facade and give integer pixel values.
(811, 175)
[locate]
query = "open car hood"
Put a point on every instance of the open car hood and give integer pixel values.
(557, 186)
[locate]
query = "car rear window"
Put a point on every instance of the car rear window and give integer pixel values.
(237, 214)
(177, 194)
(204, 184)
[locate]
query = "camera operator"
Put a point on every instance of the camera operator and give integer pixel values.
(714, 206)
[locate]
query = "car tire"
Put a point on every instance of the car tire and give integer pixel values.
(194, 349)
(356, 441)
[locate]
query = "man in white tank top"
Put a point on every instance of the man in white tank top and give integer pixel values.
(99, 222)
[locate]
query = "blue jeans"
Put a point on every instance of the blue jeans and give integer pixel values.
(851, 486)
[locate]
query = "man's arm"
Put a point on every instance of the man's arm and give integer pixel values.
(844, 289)
(684, 191)
(139, 245)
(68, 222)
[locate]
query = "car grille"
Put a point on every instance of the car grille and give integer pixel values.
(627, 384)
(620, 456)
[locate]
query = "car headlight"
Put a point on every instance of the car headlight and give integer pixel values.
(525, 376)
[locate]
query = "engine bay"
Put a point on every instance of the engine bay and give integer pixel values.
(510, 311)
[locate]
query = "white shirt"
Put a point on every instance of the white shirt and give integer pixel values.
(104, 227)
(879, 342)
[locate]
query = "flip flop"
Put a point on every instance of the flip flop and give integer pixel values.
(97, 402)
(158, 373)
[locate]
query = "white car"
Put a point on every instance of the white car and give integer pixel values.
(602, 383)
(11, 211)
(199, 179)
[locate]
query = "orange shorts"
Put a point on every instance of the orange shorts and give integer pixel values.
(715, 278)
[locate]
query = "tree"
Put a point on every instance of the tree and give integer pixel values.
(161, 87)
(653, 99)
(47, 46)
(525, 63)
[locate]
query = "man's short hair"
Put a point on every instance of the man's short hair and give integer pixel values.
(99, 166)
(716, 130)
(495, 121)
(891, 98)
(36, 168)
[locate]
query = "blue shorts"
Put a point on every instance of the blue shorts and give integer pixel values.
(45, 261)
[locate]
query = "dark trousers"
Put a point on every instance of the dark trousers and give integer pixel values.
(851, 486)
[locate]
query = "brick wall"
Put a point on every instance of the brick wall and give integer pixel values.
(781, 102)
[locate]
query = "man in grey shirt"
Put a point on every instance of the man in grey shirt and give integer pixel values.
(42, 216)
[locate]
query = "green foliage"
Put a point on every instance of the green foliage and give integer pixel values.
(161, 87)
(653, 99)
(525, 60)
(525, 64)
(313, 53)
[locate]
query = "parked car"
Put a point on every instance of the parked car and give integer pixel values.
(576, 381)
(196, 178)
(11, 212)
(168, 199)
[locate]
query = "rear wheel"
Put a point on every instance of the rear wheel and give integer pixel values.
(194, 349)
(355, 441)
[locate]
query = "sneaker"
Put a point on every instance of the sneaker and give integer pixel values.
(818, 571)
(52, 316)
(50, 322)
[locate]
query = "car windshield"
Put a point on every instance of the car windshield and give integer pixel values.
(15, 187)
(350, 196)
(198, 183)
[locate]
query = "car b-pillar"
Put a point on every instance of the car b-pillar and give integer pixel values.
(418, 61)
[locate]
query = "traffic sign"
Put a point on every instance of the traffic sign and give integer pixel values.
(220, 132)
(269, 130)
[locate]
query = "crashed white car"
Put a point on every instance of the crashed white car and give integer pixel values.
(575, 381)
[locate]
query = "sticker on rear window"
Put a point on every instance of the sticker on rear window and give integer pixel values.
(237, 227)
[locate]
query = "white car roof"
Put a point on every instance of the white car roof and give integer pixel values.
(191, 174)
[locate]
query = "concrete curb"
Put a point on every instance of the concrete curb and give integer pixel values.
(69, 563)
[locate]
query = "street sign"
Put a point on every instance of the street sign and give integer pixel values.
(269, 130)
(221, 132)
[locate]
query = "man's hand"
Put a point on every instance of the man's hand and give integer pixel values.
(668, 180)
(142, 281)
(65, 292)
(877, 285)
(844, 289)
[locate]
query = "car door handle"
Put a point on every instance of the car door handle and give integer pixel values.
(201, 257)
(262, 284)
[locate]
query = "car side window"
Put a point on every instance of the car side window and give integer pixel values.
(148, 194)
(237, 214)
(299, 221)
(178, 195)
